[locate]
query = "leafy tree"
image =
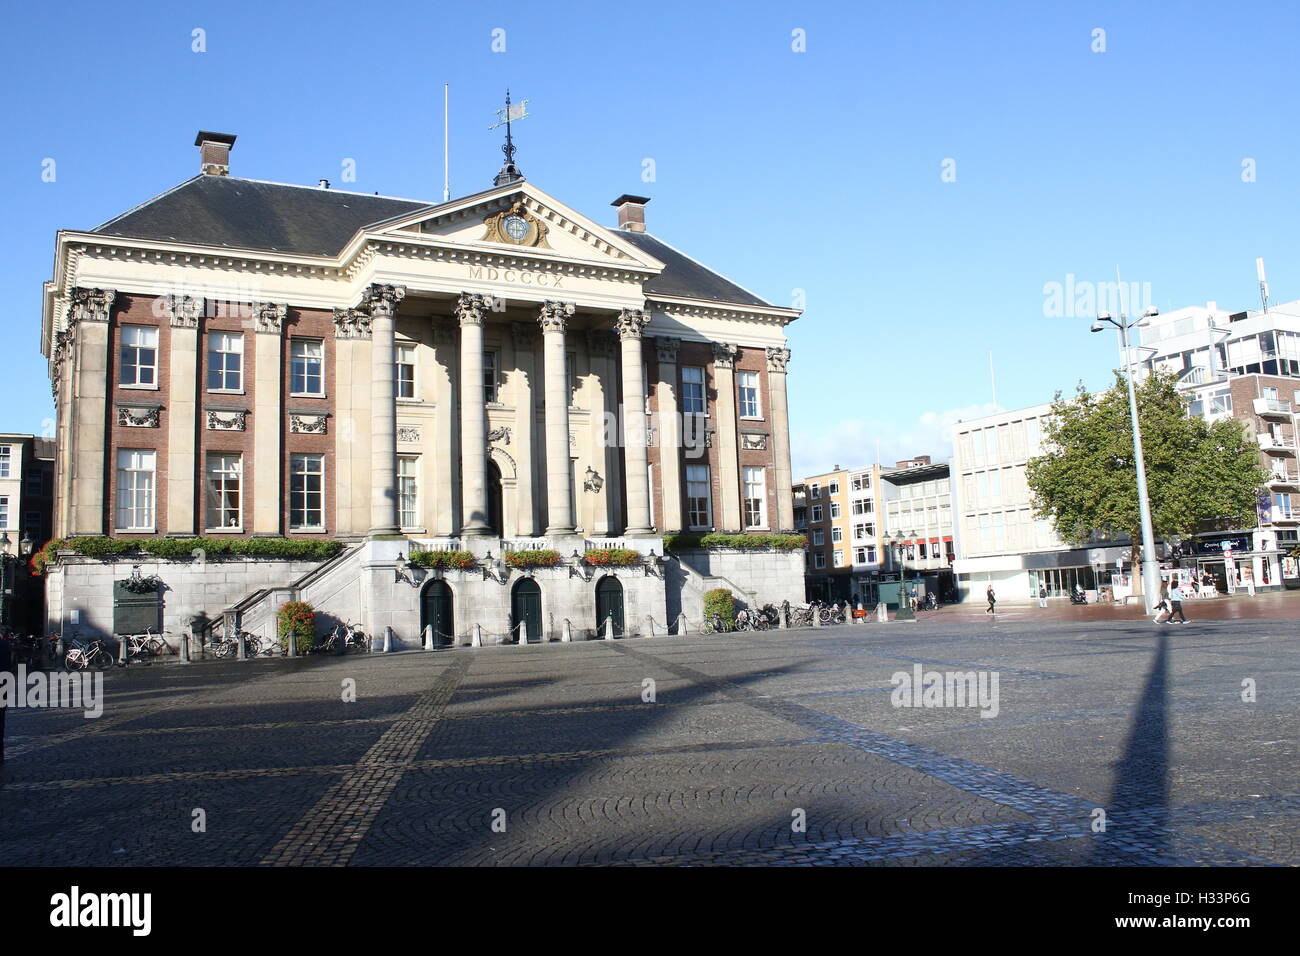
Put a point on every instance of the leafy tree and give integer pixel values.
(1199, 474)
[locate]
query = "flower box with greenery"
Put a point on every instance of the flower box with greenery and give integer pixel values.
(720, 603)
(297, 617)
(613, 557)
(461, 560)
(182, 549)
(539, 558)
(715, 541)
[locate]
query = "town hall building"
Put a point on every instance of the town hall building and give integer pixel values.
(241, 360)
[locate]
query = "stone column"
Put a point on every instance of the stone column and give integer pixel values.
(724, 378)
(471, 310)
(382, 301)
(670, 437)
(183, 464)
(268, 331)
(86, 362)
(630, 324)
(780, 415)
(554, 319)
(523, 335)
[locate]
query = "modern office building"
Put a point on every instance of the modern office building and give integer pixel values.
(918, 523)
(1242, 365)
(245, 360)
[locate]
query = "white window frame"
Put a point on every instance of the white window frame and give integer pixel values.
(138, 343)
(747, 395)
(835, 509)
(136, 507)
(306, 359)
(754, 507)
(220, 481)
(294, 461)
(819, 560)
(819, 537)
(492, 377)
(6, 461)
(219, 361)
(689, 399)
(817, 513)
(4, 512)
(693, 511)
(408, 491)
(405, 350)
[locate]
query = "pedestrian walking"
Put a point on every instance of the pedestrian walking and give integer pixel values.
(992, 598)
(1042, 596)
(1176, 603)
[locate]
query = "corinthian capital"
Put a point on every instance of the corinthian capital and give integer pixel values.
(381, 300)
(183, 310)
(666, 348)
(631, 323)
(90, 305)
(725, 354)
(270, 316)
(351, 324)
(472, 308)
(554, 316)
(777, 359)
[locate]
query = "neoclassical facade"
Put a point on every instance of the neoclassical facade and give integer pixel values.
(248, 359)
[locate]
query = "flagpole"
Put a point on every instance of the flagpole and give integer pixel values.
(446, 168)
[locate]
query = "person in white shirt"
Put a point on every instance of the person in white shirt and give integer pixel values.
(1176, 603)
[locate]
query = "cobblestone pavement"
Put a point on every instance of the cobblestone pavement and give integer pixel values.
(775, 748)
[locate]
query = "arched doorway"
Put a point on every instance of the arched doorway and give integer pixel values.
(609, 603)
(526, 608)
(436, 611)
(496, 517)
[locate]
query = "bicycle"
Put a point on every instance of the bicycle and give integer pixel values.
(82, 656)
(351, 637)
(715, 625)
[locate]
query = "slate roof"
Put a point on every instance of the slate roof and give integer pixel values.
(248, 214)
(303, 220)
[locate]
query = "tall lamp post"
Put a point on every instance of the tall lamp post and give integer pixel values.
(1150, 564)
(905, 612)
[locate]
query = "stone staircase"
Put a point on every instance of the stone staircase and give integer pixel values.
(333, 588)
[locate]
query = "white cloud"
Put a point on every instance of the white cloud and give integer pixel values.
(851, 443)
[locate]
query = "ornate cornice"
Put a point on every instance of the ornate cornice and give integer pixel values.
(666, 349)
(183, 311)
(270, 317)
(631, 323)
(472, 308)
(351, 324)
(725, 354)
(554, 316)
(777, 359)
(381, 300)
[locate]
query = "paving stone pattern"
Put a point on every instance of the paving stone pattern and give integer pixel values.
(550, 755)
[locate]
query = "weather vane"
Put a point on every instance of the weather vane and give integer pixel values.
(509, 172)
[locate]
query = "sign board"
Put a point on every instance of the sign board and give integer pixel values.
(133, 612)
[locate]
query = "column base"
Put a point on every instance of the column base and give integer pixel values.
(477, 531)
(640, 533)
(390, 533)
(568, 532)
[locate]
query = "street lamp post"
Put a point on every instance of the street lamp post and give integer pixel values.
(1150, 564)
(905, 612)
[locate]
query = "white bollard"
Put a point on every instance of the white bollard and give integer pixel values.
(609, 628)
(523, 633)
(428, 637)
(681, 624)
(650, 626)
(388, 640)
(477, 640)
(566, 637)
(882, 612)
(816, 618)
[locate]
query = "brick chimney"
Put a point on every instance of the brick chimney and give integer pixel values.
(631, 212)
(214, 152)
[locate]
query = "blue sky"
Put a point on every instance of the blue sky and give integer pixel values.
(817, 171)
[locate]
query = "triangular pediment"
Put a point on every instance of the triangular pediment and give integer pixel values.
(518, 219)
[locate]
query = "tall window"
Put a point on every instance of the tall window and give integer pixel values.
(837, 534)
(307, 367)
(135, 489)
(6, 460)
(139, 355)
(817, 512)
(692, 390)
(225, 361)
(4, 512)
(306, 492)
(224, 483)
(406, 371)
(490, 377)
(408, 512)
(699, 509)
(748, 386)
(835, 509)
(755, 498)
